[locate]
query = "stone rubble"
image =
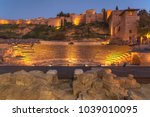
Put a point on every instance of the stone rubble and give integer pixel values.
(95, 84)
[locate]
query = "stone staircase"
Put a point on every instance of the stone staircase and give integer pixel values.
(118, 59)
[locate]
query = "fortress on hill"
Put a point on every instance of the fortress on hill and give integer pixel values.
(122, 23)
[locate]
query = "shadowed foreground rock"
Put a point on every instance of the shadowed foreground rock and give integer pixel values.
(96, 84)
(103, 84)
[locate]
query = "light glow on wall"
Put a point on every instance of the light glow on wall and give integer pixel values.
(109, 13)
(111, 30)
(58, 27)
(28, 21)
(4, 22)
(148, 35)
(58, 23)
(77, 20)
(130, 13)
(55, 22)
(71, 55)
(18, 22)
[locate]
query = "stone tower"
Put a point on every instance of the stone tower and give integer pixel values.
(123, 24)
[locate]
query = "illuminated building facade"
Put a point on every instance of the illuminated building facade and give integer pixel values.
(77, 19)
(123, 24)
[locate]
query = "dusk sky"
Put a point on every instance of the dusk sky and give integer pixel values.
(26, 9)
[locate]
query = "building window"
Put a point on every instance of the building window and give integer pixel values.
(130, 31)
(119, 29)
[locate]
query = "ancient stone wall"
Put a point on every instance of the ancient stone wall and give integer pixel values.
(95, 84)
(56, 22)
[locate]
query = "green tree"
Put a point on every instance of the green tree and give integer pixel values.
(62, 14)
(143, 23)
(117, 8)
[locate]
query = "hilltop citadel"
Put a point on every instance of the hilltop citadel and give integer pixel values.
(122, 23)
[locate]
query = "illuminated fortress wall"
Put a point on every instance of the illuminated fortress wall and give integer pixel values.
(122, 23)
(4, 21)
(77, 19)
(87, 17)
(56, 22)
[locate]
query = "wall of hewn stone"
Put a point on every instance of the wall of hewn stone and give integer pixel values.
(96, 84)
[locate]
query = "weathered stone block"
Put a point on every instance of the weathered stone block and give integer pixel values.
(23, 78)
(37, 73)
(52, 76)
(108, 77)
(6, 79)
(77, 72)
(98, 84)
(47, 95)
(131, 83)
(108, 71)
(87, 78)
(77, 87)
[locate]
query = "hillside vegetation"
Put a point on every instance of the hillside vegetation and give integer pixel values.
(67, 32)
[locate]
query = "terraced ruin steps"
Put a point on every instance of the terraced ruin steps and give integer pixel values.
(119, 58)
(25, 52)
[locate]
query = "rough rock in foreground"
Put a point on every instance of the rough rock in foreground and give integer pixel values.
(96, 84)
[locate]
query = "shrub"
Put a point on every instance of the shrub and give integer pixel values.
(57, 36)
(8, 35)
(136, 60)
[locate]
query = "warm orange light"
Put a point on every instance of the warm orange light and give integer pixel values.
(4, 22)
(111, 30)
(109, 13)
(18, 22)
(58, 27)
(118, 55)
(148, 35)
(71, 56)
(77, 20)
(58, 23)
(105, 42)
(117, 58)
(28, 21)
(131, 13)
(55, 22)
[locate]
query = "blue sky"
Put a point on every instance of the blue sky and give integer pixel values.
(26, 9)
